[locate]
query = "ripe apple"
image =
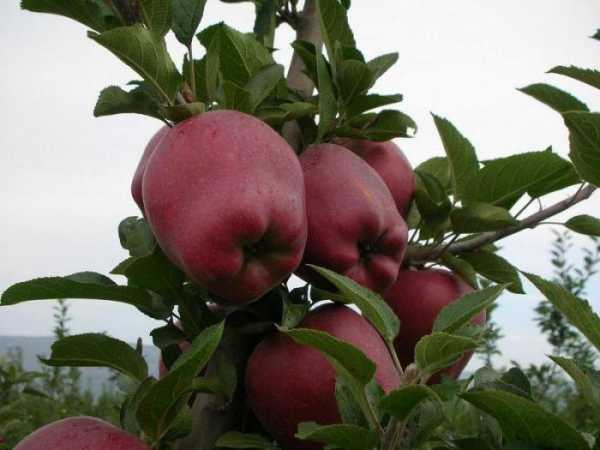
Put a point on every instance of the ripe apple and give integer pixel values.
(136, 183)
(288, 383)
(224, 196)
(417, 298)
(81, 433)
(354, 227)
(391, 164)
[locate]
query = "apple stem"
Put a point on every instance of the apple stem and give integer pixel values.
(423, 254)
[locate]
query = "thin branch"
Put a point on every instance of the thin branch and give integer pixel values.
(423, 254)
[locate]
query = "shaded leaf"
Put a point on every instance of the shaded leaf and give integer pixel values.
(526, 421)
(461, 155)
(364, 103)
(588, 76)
(157, 15)
(164, 400)
(327, 98)
(92, 13)
(97, 350)
(372, 305)
(382, 64)
(334, 26)
(146, 54)
(584, 224)
(478, 217)
(114, 100)
(347, 359)
(460, 312)
(235, 439)
(346, 436)
(584, 139)
(401, 402)
(577, 311)
(555, 98)
(187, 15)
(495, 268)
(439, 350)
(136, 236)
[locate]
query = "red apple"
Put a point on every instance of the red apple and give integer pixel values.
(81, 433)
(354, 227)
(224, 196)
(288, 383)
(391, 164)
(417, 298)
(136, 184)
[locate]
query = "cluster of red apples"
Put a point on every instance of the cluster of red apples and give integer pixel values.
(234, 207)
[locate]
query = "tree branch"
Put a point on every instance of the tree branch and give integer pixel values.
(421, 254)
(309, 29)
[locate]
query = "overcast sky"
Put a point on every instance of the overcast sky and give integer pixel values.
(65, 176)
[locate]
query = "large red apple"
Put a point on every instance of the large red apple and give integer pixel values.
(136, 183)
(224, 196)
(391, 164)
(354, 227)
(288, 383)
(81, 433)
(417, 298)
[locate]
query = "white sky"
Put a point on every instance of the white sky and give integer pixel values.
(64, 176)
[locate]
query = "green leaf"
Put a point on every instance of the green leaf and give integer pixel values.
(286, 112)
(97, 350)
(226, 374)
(240, 56)
(92, 13)
(308, 53)
(555, 98)
(166, 336)
(596, 35)
(453, 316)
(431, 198)
(157, 15)
(237, 98)
(439, 350)
(263, 83)
(345, 436)
(401, 402)
(266, 22)
(347, 403)
(129, 408)
(146, 54)
(78, 287)
(206, 72)
(460, 267)
(584, 224)
(382, 64)
(386, 125)
(354, 79)
(526, 421)
(577, 311)
(165, 399)
(503, 181)
(154, 272)
(136, 236)
(372, 305)
(588, 76)
(588, 391)
(187, 15)
(114, 100)
(584, 139)
(347, 359)
(478, 217)
(235, 439)
(495, 268)
(461, 155)
(363, 103)
(438, 167)
(327, 98)
(334, 26)
(293, 313)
